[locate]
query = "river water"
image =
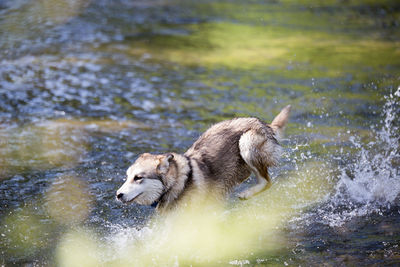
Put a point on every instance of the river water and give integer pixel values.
(87, 86)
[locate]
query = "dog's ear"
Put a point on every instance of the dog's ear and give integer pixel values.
(164, 164)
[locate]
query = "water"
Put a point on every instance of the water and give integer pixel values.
(86, 86)
(361, 215)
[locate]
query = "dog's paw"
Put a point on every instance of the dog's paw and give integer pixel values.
(244, 195)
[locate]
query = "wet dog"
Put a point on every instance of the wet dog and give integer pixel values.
(223, 157)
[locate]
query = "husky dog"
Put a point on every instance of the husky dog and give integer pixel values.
(223, 157)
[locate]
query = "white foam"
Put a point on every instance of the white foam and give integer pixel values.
(117, 243)
(372, 180)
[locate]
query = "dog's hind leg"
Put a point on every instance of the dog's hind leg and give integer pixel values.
(259, 152)
(263, 183)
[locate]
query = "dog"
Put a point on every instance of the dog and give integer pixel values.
(223, 157)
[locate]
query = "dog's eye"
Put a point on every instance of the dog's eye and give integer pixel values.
(137, 178)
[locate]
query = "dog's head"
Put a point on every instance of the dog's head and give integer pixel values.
(146, 180)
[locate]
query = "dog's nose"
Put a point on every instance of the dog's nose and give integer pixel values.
(120, 195)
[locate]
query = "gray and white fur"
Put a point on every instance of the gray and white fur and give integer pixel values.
(223, 157)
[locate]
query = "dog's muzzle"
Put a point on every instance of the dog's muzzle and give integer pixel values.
(120, 197)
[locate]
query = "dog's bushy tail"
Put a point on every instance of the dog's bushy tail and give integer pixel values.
(279, 123)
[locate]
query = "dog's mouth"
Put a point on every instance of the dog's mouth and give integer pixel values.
(131, 200)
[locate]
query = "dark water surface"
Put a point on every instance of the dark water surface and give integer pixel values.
(86, 86)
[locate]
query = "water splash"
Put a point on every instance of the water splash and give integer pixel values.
(371, 182)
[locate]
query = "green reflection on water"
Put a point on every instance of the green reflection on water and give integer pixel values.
(327, 40)
(314, 53)
(275, 51)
